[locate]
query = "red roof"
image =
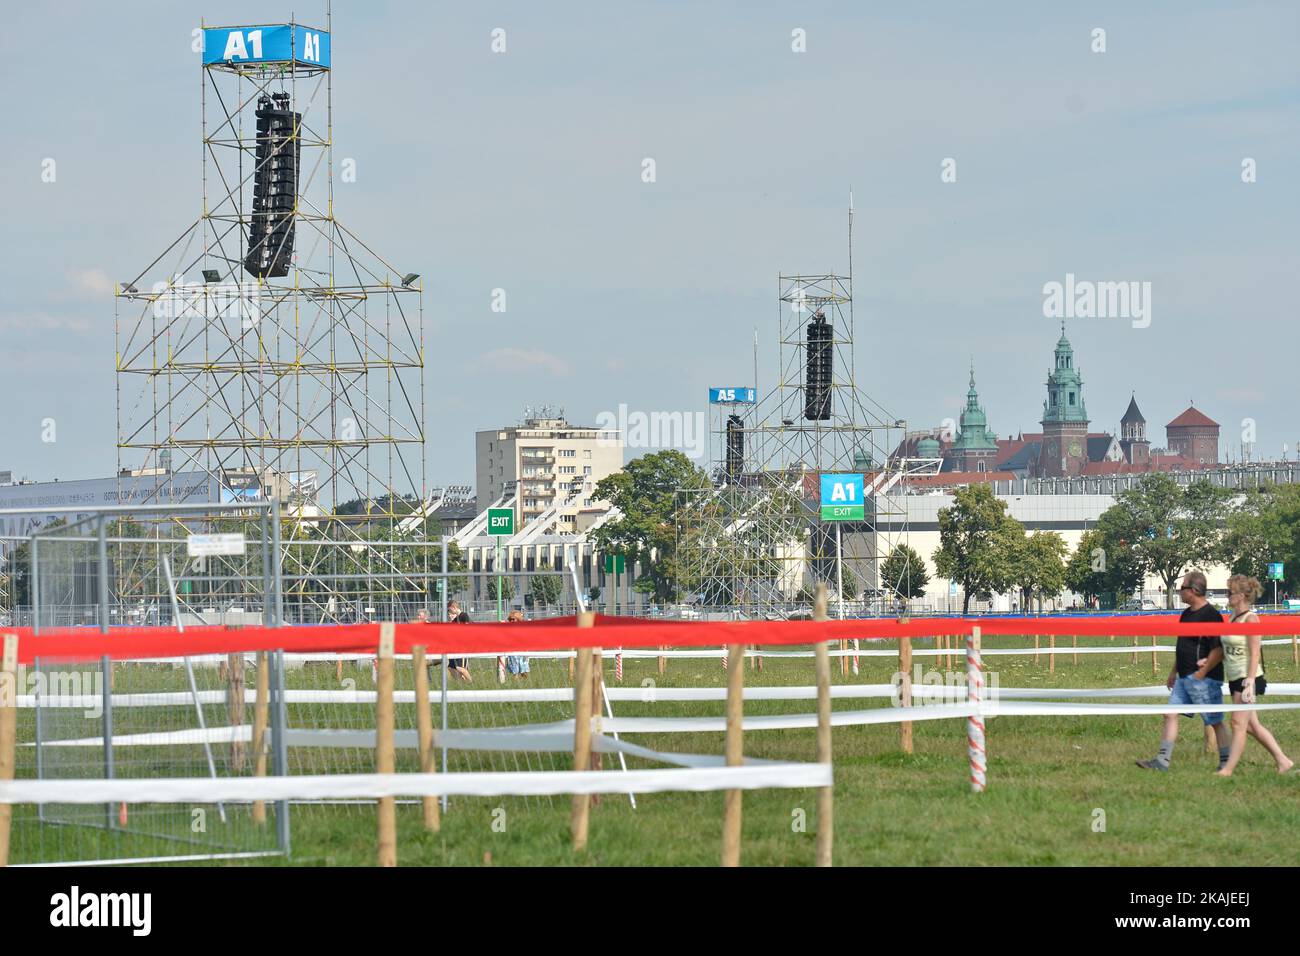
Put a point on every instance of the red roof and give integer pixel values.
(1192, 418)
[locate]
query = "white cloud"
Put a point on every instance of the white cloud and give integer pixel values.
(522, 360)
(42, 322)
(91, 283)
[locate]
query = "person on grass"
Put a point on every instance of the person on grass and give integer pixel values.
(1197, 674)
(1243, 665)
(457, 665)
(516, 664)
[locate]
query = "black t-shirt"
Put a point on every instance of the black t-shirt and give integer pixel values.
(1192, 649)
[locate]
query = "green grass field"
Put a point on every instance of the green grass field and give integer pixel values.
(1049, 781)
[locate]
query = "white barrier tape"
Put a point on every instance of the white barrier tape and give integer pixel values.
(204, 790)
(644, 695)
(534, 738)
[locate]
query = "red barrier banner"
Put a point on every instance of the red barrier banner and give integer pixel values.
(84, 644)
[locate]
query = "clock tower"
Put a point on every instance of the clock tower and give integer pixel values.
(1065, 418)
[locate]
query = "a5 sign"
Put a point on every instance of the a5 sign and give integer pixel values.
(842, 498)
(281, 43)
(731, 396)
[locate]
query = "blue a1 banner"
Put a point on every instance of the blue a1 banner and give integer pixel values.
(278, 43)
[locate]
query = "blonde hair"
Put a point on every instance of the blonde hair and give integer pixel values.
(515, 616)
(1245, 585)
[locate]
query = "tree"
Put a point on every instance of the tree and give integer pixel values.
(974, 542)
(646, 494)
(547, 588)
(505, 585)
(904, 572)
(1262, 529)
(1038, 566)
(1101, 568)
(1166, 527)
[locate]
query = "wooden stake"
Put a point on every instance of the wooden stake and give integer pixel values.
(1051, 654)
(1295, 650)
(385, 756)
(905, 691)
(581, 737)
(1155, 665)
(663, 661)
(8, 730)
(259, 732)
(1134, 658)
(424, 731)
(735, 753)
(1075, 642)
(235, 707)
(1037, 656)
(825, 795)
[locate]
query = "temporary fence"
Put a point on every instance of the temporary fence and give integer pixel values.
(226, 737)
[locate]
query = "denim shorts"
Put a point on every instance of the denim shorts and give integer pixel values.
(1189, 690)
(516, 664)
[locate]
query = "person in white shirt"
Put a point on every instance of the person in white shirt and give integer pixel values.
(1243, 668)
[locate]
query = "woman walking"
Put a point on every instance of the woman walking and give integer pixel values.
(1243, 666)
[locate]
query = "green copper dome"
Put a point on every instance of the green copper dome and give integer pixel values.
(973, 430)
(1064, 387)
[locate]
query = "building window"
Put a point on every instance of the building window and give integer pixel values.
(586, 453)
(1072, 398)
(586, 469)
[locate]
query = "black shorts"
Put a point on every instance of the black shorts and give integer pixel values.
(1261, 684)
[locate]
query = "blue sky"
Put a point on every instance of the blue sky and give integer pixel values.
(522, 171)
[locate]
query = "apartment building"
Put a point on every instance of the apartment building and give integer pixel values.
(549, 462)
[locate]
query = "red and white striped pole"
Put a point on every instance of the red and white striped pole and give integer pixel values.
(975, 722)
(724, 657)
(501, 669)
(618, 665)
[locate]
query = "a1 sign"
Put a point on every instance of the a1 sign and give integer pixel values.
(501, 521)
(1275, 570)
(842, 498)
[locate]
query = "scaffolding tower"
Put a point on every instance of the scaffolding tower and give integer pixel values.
(270, 348)
(753, 542)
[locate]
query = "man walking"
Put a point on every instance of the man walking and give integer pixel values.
(1197, 674)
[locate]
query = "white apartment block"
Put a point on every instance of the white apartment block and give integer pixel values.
(549, 461)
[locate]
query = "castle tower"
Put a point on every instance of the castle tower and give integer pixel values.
(1133, 435)
(975, 448)
(1065, 418)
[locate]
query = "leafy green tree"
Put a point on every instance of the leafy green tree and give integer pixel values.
(547, 589)
(1262, 529)
(904, 572)
(504, 584)
(1102, 568)
(976, 543)
(646, 494)
(1166, 527)
(1038, 566)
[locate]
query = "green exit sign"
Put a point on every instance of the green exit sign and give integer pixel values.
(843, 512)
(501, 521)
